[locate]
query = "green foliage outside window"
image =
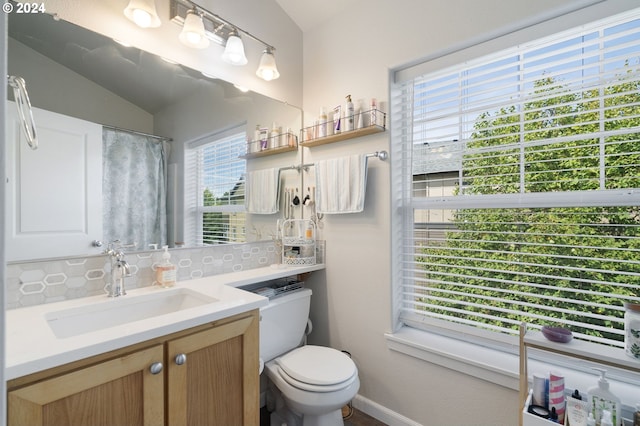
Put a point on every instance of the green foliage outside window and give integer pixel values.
(522, 264)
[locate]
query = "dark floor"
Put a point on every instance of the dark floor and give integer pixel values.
(358, 418)
(361, 419)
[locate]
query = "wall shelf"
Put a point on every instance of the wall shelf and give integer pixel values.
(298, 242)
(378, 126)
(270, 151)
(278, 144)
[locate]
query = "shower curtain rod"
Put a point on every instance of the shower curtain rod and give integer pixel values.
(137, 133)
(382, 155)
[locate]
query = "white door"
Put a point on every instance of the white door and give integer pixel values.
(54, 193)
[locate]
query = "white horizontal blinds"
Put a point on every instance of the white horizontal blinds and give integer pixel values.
(219, 199)
(524, 185)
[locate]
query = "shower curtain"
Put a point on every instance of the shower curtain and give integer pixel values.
(134, 189)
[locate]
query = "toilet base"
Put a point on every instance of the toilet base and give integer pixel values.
(283, 415)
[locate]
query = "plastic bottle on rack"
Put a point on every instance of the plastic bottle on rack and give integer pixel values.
(322, 123)
(374, 111)
(274, 136)
(349, 123)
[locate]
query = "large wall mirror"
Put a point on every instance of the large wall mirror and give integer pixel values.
(75, 74)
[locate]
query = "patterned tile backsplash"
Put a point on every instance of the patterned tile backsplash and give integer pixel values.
(54, 280)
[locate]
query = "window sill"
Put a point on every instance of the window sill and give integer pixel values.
(474, 360)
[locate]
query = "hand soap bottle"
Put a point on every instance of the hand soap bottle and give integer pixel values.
(166, 271)
(601, 399)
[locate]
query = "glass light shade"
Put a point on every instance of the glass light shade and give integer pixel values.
(142, 13)
(234, 51)
(267, 69)
(192, 34)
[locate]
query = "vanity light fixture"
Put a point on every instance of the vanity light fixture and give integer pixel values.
(267, 69)
(224, 33)
(234, 50)
(142, 13)
(192, 33)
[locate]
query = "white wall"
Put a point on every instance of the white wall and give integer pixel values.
(353, 53)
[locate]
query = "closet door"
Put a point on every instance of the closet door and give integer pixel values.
(54, 193)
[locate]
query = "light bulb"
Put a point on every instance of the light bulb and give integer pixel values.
(192, 33)
(142, 18)
(193, 37)
(234, 51)
(267, 69)
(142, 13)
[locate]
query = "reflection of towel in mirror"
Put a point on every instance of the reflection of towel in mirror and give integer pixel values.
(341, 184)
(262, 191)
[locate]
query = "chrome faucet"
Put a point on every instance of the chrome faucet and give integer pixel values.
(119, 269)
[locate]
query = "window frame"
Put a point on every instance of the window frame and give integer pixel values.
(479, 355)
(194, 209)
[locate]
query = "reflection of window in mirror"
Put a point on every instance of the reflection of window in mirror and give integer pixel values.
(214, 189)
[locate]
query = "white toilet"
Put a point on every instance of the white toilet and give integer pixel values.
(312, 383)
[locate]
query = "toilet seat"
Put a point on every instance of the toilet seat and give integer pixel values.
(317, 369)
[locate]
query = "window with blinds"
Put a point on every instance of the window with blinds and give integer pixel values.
(215, 172)
(521, 186)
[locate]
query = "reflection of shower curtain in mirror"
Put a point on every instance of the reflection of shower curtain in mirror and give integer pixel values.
(134, 189)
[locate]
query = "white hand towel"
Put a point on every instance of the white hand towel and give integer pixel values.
(341, 184)
(262, 191)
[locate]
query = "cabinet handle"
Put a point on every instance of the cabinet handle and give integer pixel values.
(155, 368)
(181, 359)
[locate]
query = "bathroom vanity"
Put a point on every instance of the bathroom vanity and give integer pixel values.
(211, 373)
(192, 359)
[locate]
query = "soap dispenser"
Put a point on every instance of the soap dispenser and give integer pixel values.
(166, 271)
(602, 399)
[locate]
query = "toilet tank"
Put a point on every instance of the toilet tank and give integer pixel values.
(283, 322)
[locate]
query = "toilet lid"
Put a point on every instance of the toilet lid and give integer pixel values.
(317, 365)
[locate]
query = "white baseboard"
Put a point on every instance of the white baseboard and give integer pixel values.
(382, 413)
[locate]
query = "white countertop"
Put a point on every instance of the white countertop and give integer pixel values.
(32, 346)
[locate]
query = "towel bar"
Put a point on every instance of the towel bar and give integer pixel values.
(382, 155)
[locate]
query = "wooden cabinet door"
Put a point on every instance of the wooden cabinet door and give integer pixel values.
(122, 391)
(213, 376)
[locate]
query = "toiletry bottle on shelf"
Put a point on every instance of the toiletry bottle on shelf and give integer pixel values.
(601, 398)
(274, 136)
(359, 117)
(322, 123)
(166, 271)
(591, 421)
(337, 117)
(349, 115)
(308, 233)
(374, 111)
(264, 138)
(291, 139)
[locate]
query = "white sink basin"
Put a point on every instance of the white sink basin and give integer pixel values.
(123, 310)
